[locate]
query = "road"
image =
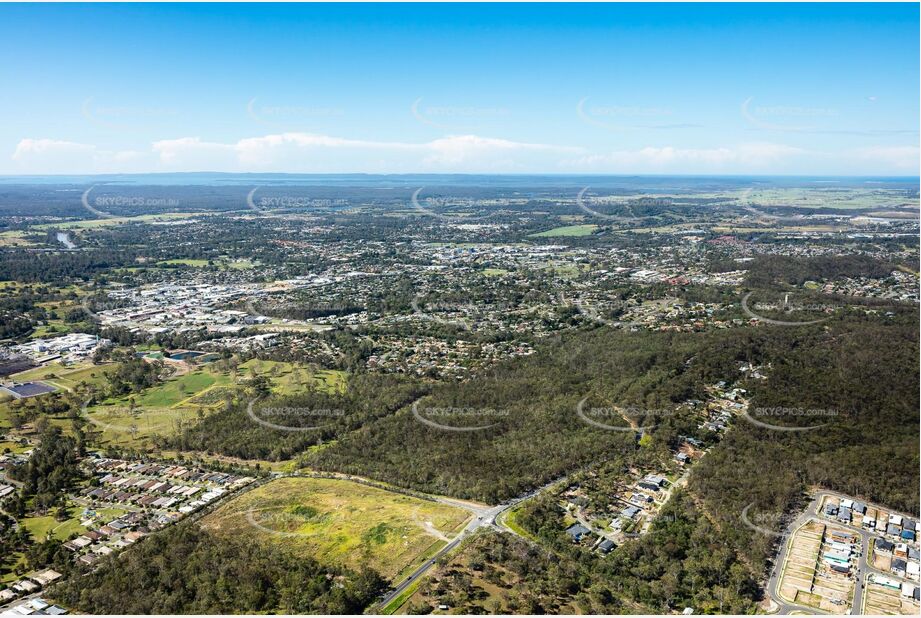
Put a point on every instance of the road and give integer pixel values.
(773, 587)
(483, 516)
(863, 568)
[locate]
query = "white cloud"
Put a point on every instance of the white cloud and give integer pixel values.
(29, 148)
(307, 152)
(313, 153)
(906, 159)
(49, 156)
(750, 158)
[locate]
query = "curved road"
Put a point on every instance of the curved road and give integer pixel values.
(863, 569)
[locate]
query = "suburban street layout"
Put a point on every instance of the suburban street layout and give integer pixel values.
(605, 309)
(845, 556)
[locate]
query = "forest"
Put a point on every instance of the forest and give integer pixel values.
(185, 570)
(231, 430)
(867, 447)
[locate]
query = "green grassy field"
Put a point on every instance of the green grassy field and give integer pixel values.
(341, 522)
(174, 391)
(184, 262)
(287, 377)
(120, 427)
(65, 377)
(14, 238)
(830, 197)
(160, 410)
(568, 230)
(224, 264)
(88, 224)
(40, 527)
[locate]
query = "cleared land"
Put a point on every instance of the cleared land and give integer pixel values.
(800, 566)
(883, 600)
(342, 522)
(162, 409)
(47, 525)
(807, 579)
(65, 377)
(88, 224)
(568, 230)
(224, 264)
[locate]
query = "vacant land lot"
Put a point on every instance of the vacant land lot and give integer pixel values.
(65, 377)
(88, 224)
(800, 566)
(121, 426)
(161, 410)
(568, 230)
(883, 600)
(807, 579)
(41, 527)
(341, 522)
(289, 378)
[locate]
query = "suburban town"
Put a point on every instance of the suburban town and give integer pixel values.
(382, 309)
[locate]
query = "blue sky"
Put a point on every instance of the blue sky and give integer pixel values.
(620, 89)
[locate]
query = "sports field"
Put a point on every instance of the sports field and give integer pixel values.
(341, 522)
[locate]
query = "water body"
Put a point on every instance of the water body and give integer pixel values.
(64, 239)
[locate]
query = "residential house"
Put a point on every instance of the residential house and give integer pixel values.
(883, 546)
(577, 532)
